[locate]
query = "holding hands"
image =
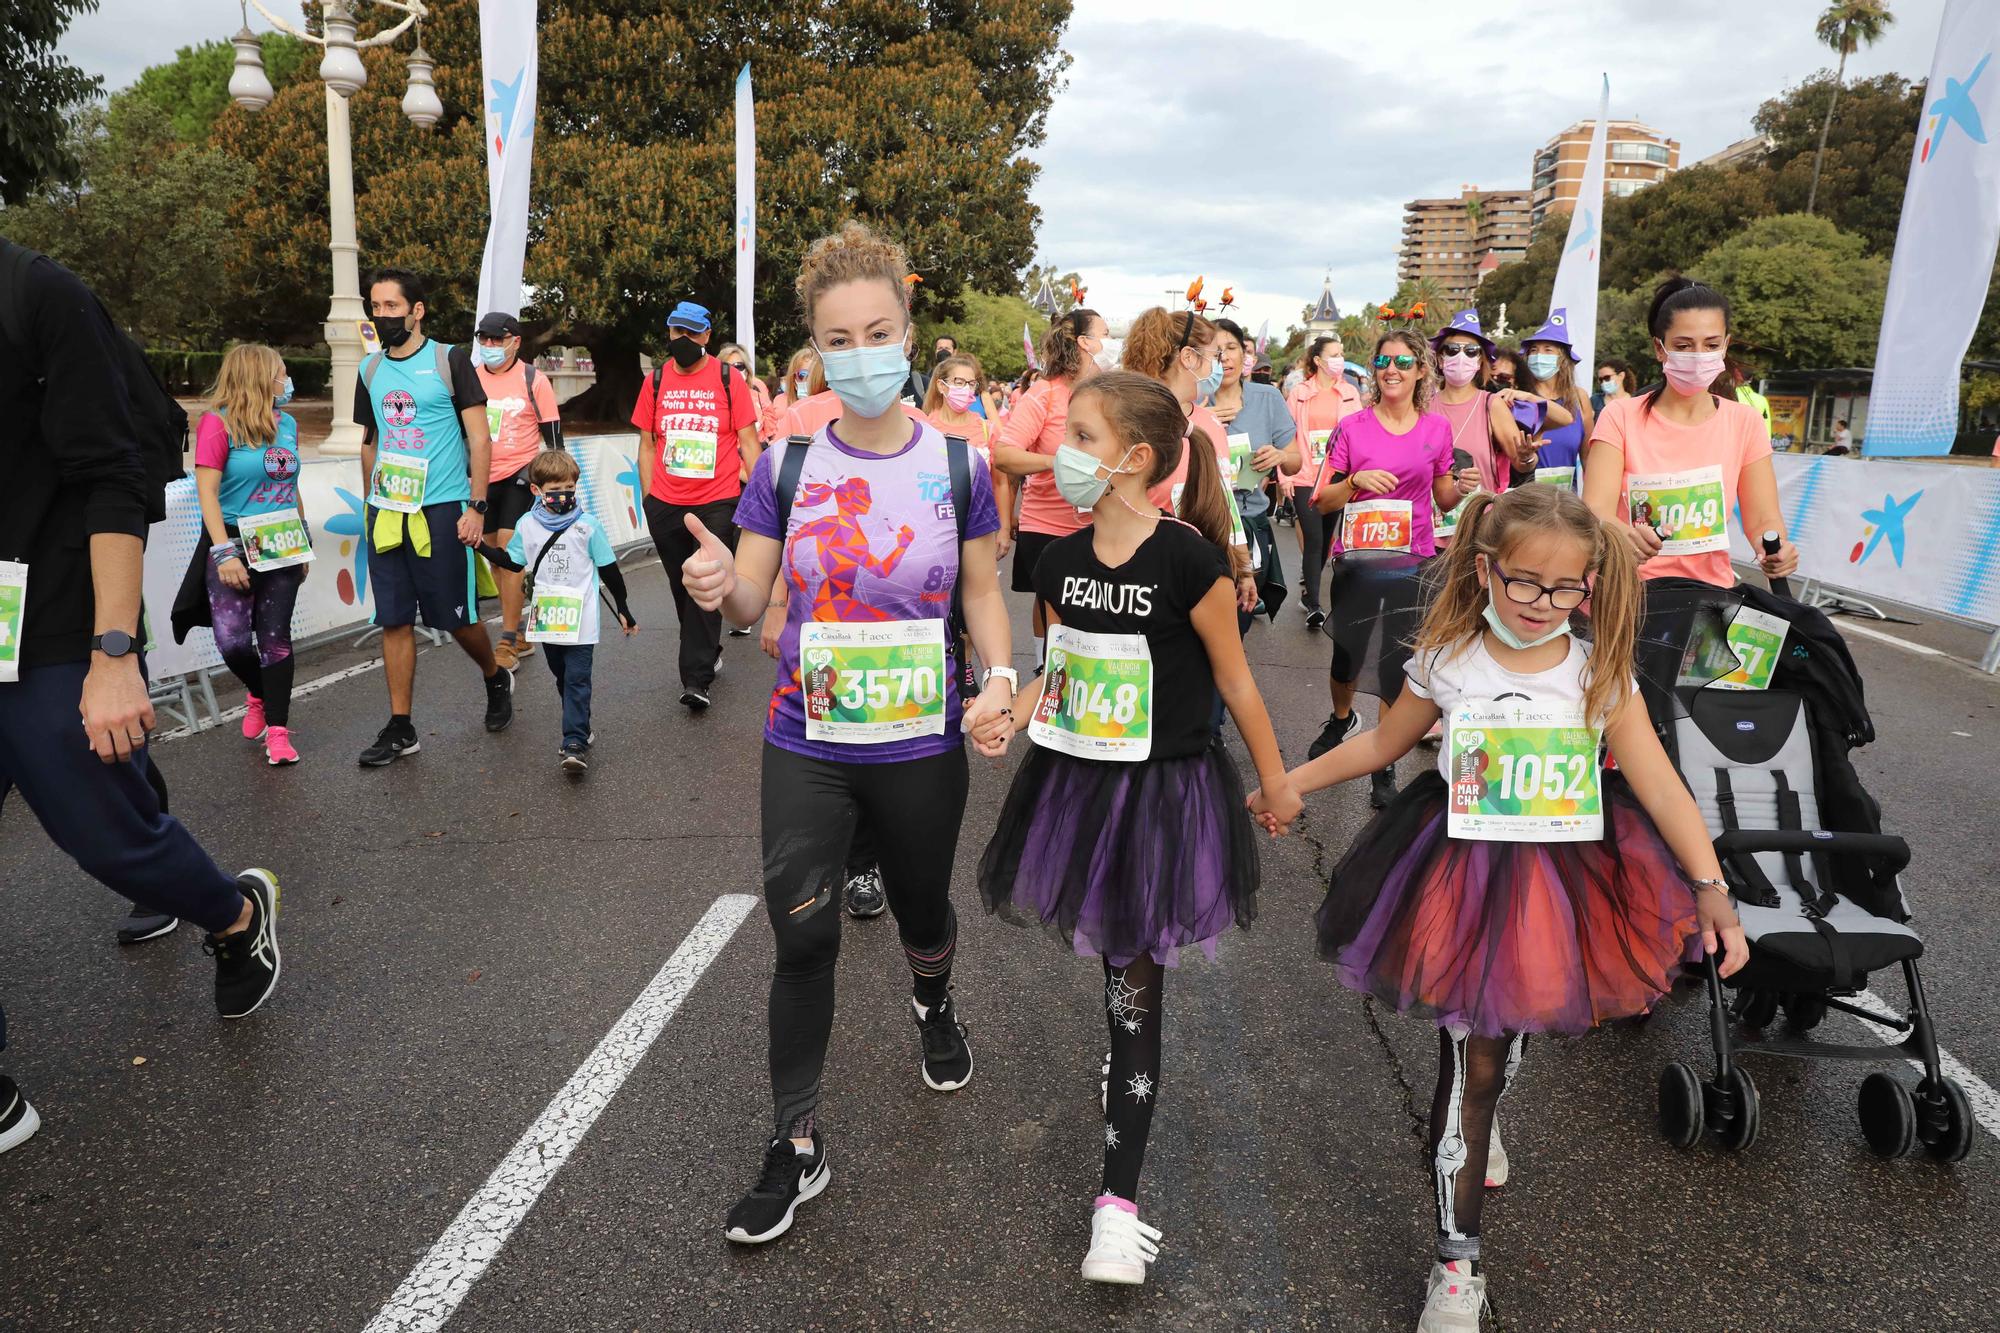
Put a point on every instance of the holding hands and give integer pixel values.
(1275, 805)
(989, 720)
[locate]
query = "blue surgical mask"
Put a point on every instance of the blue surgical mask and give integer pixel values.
(868, 380)
(1513, 640)
(1076, 476)
(492, 357)
(1542, 365)
(1213, 380)
(284, 394)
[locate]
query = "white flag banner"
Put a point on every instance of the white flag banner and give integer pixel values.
(1583, 252)
(507, 70)
(746, 217)
(1945, 244)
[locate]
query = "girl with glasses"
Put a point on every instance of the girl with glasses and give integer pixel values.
(948, 402)
(1464, 355)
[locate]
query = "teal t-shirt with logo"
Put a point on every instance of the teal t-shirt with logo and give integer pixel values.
(416, 415)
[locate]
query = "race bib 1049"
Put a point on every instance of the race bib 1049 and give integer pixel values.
(1756, 638)
(1523, 772)
(1097, 696)
(688, 454)
(1376, 525)
(13, 610)
(1686, 508)
(870, 684)
(274, 540)
(399, 482)
(557, 615)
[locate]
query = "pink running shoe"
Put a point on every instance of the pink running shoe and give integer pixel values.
(253, 719)
(278, 747)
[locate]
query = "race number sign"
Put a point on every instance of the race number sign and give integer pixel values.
(399, 483)
(275, 540)
(13, 610)
(1445, 526)
(1686, 508)
(1241, 451)
(1316, 446)
(1375, 525)
(1523, 772)
(688, 454)
(1756, 638)
(558, 614)
(1564, 477)
(1097, 696)
(869, 684)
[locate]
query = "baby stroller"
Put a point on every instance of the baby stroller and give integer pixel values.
(1816, 881)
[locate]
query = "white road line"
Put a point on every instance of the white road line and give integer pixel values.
(311, 687)
(434, 1288)
(1849, 627)
(1985, 1101)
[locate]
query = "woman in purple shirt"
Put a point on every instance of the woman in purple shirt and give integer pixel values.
(865, 724)
(1387, 472)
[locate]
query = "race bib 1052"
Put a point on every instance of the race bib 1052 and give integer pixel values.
(1523, 772)
(1685, 508)
(869, 684)
(1097, 696)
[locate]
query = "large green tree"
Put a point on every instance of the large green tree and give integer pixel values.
(193, 88)
(1804, 293)
(989, 327)
(1867, 161)
(1846, 26)
(38, 90)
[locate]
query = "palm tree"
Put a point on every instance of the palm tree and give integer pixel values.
(1846, 26)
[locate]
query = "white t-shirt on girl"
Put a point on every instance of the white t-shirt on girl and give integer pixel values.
(1450, 677)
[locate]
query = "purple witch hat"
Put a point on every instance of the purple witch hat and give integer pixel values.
(1467, 323)
(1555, 331)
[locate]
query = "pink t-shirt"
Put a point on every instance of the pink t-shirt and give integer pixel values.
(1315, 409)
(1472, 430)
(1201, 419)
(1654, 447)
(1362, 443)
(512, 421)
(1038, 424)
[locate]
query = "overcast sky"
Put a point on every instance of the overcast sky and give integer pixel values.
(1265, 144)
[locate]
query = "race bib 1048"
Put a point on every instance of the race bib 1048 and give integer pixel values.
(275, 540)
(870, 684)
(399, 482)
(557, 614)
(13, 610)
(1097, 696)
(1376, 525)
(1686, 508)
(1523, 772)
(688, 454)
(1756, 638)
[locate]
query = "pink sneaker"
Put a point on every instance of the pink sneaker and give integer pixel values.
(253, 719)
(278, 747)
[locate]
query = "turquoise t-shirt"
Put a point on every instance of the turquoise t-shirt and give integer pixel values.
(416, 417)
(255, 479)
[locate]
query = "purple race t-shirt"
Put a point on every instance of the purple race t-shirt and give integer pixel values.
(1362, 443)
(846, 559)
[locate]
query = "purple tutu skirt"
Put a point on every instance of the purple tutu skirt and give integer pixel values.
(1125, 859)
(1506, 937)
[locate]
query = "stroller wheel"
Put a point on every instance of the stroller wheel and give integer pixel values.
(1680, 1106)
(1736, 1127)
(1805, 1011)
(1888, 1116)
(1947, 1116)
(1756, 1008)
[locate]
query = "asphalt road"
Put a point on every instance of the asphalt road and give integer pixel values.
(462, 929)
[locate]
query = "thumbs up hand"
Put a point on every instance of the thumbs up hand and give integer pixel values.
(710, 573)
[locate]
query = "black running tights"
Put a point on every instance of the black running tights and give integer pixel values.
(1132, 1011)
(1473, 1074)
(811, 809)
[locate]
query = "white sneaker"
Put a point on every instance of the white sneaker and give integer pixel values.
(1120, 1247)
(1453, 1301)
(1496, 1159)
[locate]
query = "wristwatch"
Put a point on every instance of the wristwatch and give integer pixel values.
(1008, 674)
(476, 506)
(113, 643)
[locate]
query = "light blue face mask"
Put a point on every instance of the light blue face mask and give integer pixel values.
(284, 394)
(1076, 476)
(1542, 365)
(492, 357)
(1212, 381)
(1513, 640)
(868, 380)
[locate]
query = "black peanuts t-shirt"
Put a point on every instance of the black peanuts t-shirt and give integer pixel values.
(1153, 594)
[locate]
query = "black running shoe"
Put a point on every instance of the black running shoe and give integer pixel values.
(391, 744)
(1382, 787)
(574, 761)
(146, 924)
(1333, 733)
(865, 896)
(18, 1121)
(947, 1055)
(740, 632)
(247, 963)
(695, 700)
(789, 1178)
(499, 700)
(1315, 618)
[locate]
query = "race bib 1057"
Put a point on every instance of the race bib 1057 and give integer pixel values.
(1523, 772)
(1756, 638)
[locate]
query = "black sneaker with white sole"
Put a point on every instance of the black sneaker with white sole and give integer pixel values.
(791, 1175)
(18, 1121)
(947, 1054)
(1315, 618)
(391, 743)
(574, 760)
(499, 700)
(865, 895)
(695, 700)
(1333, 733)
(247, 963)
(146, 924)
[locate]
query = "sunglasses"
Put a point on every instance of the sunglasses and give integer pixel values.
(1503, 381)
(1527, 592)
(1469, 351)
(1404, 362)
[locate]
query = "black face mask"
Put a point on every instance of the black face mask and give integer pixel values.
(393, 330)
(686, 352)
(559, 502)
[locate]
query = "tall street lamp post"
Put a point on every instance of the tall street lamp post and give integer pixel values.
(344, 74)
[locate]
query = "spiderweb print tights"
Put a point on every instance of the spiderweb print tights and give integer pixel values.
(1132, 1012)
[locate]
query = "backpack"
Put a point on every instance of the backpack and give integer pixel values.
(442, 353)
(728, 402)
(958, 459)
(158, 423)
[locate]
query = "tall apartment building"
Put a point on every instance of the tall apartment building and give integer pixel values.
(1459, 241)
(1636, 156)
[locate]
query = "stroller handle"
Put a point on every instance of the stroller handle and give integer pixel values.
(1782, 587)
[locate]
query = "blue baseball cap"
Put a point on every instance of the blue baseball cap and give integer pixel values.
(687, 315)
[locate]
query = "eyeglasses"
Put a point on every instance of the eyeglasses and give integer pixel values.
(1403, 362)
(1527, 592)
(1502, 381)
(961, 384)
(1469, 351)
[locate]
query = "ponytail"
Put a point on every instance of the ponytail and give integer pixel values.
(1204, 504)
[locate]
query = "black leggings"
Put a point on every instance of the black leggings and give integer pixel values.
(1473, 1074)
(811, 809)
(1132, 1011)
(1316, 532)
